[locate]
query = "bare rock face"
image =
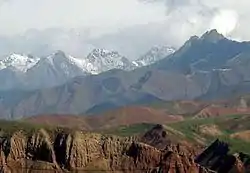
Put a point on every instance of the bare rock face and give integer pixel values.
(156, 137)
(217, 158)
(22, 152)
(176, 162)
(57, 152)
(161, 138)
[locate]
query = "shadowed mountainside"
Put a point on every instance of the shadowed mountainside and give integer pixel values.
(217, 157)
(204, 68)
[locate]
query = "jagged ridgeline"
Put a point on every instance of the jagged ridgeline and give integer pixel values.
(60, 150)
(46, 149)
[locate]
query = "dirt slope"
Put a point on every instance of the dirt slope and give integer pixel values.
(115, 118)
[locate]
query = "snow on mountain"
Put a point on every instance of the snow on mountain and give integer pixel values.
(101, 60)
(27, 72)
(32, 73)
(54, 70)
(67, 63)
(98, 61)
(155, 54)
(18, 62)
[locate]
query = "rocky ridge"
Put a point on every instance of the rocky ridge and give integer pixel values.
(64, 150)
(26, 72)
(155, 54)
(78, 151)
(217, 157)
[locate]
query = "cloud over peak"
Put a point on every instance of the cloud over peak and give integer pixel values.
(132, 26)
(20, 15)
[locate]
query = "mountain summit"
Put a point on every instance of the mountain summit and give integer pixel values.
(210, 51)
(101, 60)
(155, 54)
(18, 62)
(28, 72)
(212, 36)
(201, 69)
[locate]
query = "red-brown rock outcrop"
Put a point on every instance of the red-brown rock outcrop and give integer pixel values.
(84, 152)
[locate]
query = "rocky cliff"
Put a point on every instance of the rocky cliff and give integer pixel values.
(61, 151)
(217, 157)
(38, 150)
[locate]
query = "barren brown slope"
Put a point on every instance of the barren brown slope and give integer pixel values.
(69, 121)
(115, 118)
(162, 113)
(219, 110)
(204, 109)
(131, 115)
(233, 106)
(183, 107)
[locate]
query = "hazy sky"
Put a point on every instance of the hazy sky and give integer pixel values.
(108, 15)
(131, 26)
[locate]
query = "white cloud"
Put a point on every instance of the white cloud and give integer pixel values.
(130, 26)
(20, 15)
(225, 21)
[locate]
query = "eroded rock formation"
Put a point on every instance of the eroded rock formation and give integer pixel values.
(218, 158)
(42, 151)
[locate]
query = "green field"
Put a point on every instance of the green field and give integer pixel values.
(7, 128)
(190, 128)
(130, 130)
(226, 125)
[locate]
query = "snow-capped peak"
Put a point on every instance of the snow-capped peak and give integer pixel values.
(56, 56)
(156, 53)
(60, 60)
(98, 54)
(18, 62)
(100, 60)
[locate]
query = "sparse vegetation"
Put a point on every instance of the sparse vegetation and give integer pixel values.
(236, 145)
(226, 125)
(191, 129)
(129, 130)
(9, 127)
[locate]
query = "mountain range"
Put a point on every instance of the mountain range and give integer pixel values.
(29, 73)
(206, 67)
(176, 111)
